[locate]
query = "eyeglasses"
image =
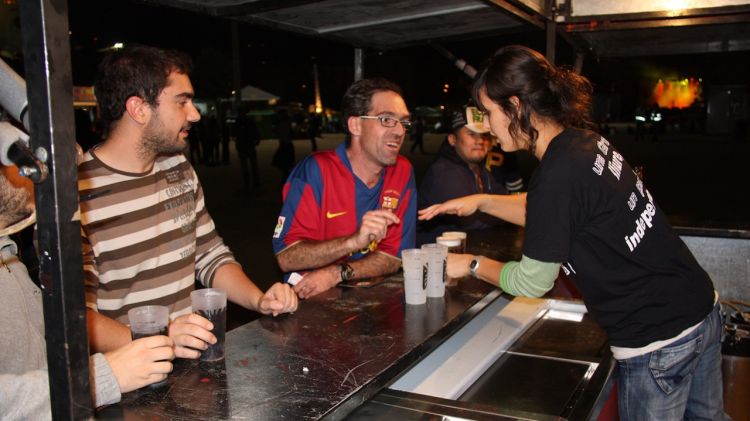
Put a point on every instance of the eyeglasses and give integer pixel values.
(387, 121)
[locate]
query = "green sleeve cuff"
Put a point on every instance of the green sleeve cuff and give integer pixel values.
(529, 277)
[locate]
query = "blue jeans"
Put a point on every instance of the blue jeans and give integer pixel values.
(679, 381)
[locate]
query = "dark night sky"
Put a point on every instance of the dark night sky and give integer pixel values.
(281, 62)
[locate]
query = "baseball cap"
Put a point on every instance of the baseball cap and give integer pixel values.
(472, 118)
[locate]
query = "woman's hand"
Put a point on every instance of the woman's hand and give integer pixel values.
(462, 206)
(458, 265)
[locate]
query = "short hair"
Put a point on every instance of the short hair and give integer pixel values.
(548, 91)
(136, 70)
(358, 98)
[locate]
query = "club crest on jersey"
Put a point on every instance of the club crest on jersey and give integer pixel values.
(389, 203)
(279, 227)
(390, 200)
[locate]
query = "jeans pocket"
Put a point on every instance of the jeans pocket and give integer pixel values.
(671, 365)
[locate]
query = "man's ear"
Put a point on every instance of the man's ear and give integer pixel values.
(355, 125)
(452, 139)
(138, 109)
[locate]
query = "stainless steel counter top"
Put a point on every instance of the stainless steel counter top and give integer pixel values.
(337, 351)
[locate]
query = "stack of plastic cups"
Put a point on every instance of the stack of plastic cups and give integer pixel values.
(453, 244)
(435, 255)
(415, 276)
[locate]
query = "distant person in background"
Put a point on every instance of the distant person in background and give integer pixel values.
(349, 212)
(313, 130)
(283, 158)
(588, 213)
(194, 141)
(210, 139)
(248, 138)
(228, 130)
(463, 167)
(417, 135)
(24, 384)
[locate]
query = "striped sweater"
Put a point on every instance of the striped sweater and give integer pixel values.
(146, 237)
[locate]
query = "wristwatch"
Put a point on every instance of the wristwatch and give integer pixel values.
(474, 266)
(347, 272)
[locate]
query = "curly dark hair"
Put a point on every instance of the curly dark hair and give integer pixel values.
(358, 98)
(136, 70)
(549, 92)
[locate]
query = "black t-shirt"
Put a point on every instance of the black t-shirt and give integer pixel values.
(587, 209)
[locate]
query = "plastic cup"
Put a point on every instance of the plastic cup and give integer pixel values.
(453, 243)
(415, 276)
(460, 235)
(436, 255)
(454, 246)
(211, 303)
(148, 321)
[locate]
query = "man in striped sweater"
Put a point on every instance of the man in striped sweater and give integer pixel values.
(146, 233)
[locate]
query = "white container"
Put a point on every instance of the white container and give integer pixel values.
(415, 276)
(436, 261)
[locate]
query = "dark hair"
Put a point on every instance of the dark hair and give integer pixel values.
(358, 98)
(549, 92)
(136, 70)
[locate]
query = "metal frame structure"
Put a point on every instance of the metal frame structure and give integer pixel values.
(46, 51)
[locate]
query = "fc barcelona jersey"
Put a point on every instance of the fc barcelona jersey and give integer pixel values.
(323, 200)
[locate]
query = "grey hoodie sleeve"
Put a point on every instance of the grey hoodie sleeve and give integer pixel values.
(25, 396)
(104, 387)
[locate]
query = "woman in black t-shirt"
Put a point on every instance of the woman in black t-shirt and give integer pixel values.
(588, 213)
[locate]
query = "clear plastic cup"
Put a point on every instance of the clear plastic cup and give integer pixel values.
(415, 276)
(454, 246)
(436, 261)
(211, 303)
(148, 321)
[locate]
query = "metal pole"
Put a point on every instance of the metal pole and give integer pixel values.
(551, 28)
(236, 71)
(46, 50)
(358, 64)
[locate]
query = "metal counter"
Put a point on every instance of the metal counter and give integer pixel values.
(340, 349)
(337, 351)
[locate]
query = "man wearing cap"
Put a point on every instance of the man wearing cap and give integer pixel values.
(464, 166)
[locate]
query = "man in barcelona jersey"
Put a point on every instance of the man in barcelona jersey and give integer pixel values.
(349, 212)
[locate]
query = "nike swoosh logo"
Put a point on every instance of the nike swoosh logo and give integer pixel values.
(331, 215)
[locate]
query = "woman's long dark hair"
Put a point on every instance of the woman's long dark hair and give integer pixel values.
(549, 92)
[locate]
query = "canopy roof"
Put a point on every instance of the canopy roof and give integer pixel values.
(605, 28)
(251, 93)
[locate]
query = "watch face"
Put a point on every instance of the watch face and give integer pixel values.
(347, 273)
(473, 266)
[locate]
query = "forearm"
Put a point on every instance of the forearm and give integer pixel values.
(511, 208)
(105, 334)
(489, 270)
(240, 290)
(375, 264)
(314, 254)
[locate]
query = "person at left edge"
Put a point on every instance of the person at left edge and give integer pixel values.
(349, 212)
(146, 232)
